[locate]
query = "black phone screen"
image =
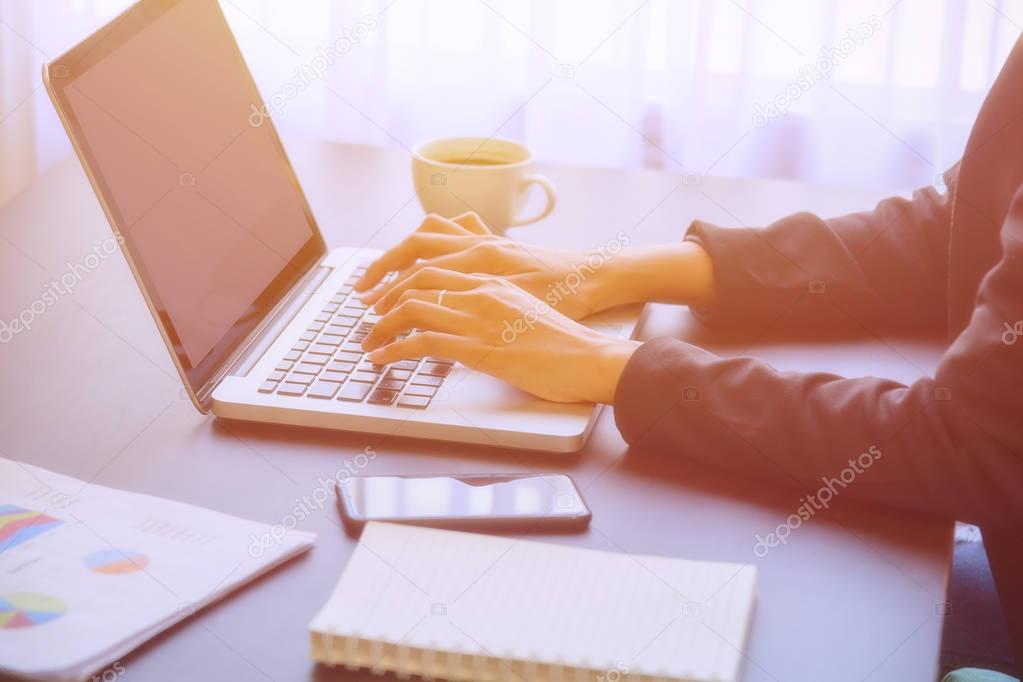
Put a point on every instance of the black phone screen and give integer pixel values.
(483, 499)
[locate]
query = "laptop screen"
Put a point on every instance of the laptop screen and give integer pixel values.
(160, 104)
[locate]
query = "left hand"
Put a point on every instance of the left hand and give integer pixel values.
(493, 326)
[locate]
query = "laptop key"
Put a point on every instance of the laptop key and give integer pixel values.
(322, 349)
(426, 380)
(316, 359)
(417, 401)
(335, 330)
(322, 317)
(330, 340)
(292, 355)
(398, 374)
(325, 390)
(406, 364)
(304, 379)
(365, 377)
(352, 348)
(422, 391)
(306, 368)
(337, 377)
(382, 397)
(300, 346)
(366, 366)
(308, 336)
(276, 375)
(348, 356)
(268, 387)
(288, 388)
(391, 385)
(331, 307)
(315, 327)
(284, 365)
(433, 369)
(339, 366)
(354, 393)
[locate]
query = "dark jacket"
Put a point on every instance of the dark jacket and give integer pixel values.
(947, 264)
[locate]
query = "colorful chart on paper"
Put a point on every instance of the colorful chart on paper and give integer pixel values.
(112, 561)
(28, 609)
(18, 525)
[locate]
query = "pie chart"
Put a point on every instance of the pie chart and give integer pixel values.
(27, 609)
(113, 561)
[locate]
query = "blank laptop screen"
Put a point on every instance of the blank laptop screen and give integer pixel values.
(162, 107)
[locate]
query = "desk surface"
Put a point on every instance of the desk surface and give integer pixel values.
(89, 391)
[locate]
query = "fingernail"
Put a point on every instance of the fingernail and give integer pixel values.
(375, 357)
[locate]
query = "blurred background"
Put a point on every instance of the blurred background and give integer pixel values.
(853, 92)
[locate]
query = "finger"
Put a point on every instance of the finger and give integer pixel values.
(468, 261)
(441, 225)
(428, 344)
(419, 311)
(412, 248)
(472, 222)
(425, 278)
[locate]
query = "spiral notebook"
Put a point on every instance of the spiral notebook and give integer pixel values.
(461, 606)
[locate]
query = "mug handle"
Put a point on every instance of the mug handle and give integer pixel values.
(552, 200)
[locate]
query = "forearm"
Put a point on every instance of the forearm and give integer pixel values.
(680, 273)
(802, 429)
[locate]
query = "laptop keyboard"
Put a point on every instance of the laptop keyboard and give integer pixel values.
(328, 362)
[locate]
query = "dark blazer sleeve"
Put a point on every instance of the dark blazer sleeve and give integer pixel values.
(886, 269)
(950, 445)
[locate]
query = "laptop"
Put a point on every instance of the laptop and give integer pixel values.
(259, 316)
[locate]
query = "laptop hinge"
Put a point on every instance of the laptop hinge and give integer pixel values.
(257, 342)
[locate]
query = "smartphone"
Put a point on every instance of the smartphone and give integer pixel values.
(510, 502)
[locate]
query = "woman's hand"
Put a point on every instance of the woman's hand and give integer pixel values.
(575, 283)
(571, 282)
(493, 326)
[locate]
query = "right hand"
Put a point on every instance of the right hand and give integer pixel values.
(571, 282)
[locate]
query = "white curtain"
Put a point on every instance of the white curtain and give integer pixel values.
(869, 92)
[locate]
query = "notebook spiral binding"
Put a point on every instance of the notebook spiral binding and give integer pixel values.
(356, 651)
